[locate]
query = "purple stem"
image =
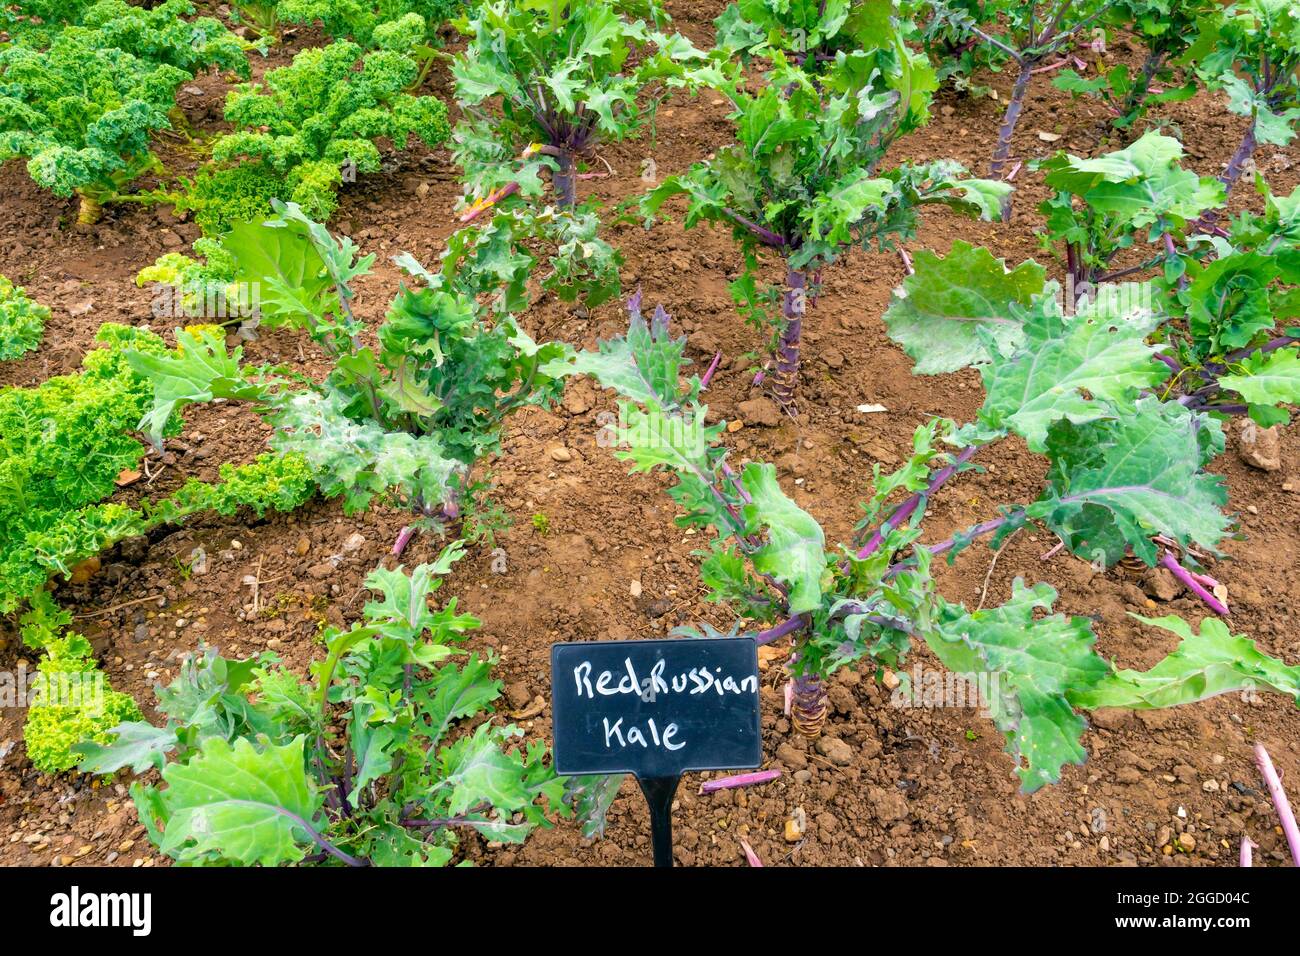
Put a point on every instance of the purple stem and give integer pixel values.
(736, 483)
(905, 510)
(979, 530)
(403, 539)
(1010, 119)
(1193, 585)
(1238, 162)
(740, 780)
(785, 379)
(565, 182)
(1168, 360)
(766, 235)
(1280, 801)
(1247, 844)
(750, 856)
(788, 626)
(708, 375)
(1271, 346)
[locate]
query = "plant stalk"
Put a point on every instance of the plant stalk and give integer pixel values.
(566, 188)
(808, 706)
(1009, 120)
(1237, 164)
(785, 379)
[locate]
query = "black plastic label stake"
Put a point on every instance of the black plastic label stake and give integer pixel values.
(656, 709)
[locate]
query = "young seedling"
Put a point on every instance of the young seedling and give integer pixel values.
(362, 763)
(1166, 28)
(803, 179)
(1033, 32)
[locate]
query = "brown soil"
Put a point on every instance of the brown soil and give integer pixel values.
(921, 786)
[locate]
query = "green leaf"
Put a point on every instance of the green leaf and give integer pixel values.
(241, 804)
(794, 552)
(1115, 484)
(138, 745)
(452, 693)
(935, 313)
(1037, 663)
(1069, 369)
(477, 769)
(198, 371)
(642, 365)
(1203, 665)
(1139, 185)
(1267, 378)
(283, 266)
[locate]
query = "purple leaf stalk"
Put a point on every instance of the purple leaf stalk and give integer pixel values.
(1280, 801)
(708, 375)
(906, 509)
(1247, 844)
(750, 856)
(403, 539)
(1193, 585)
(1237, 164)
(739, 780)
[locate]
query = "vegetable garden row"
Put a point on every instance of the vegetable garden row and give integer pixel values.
(1162, 327)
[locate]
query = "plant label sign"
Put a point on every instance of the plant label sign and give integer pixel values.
(656, 709)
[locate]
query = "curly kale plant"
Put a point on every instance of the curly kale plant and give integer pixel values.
(65, 443)
(81, 109)
(164, 33)
(408, 26)
(71, 701)
(308, 126)
(22, 321)
(381, 757)
(1126, 471)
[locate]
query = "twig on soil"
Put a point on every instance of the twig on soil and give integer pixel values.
(257, 585)
(988, 576)
(118, 607)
